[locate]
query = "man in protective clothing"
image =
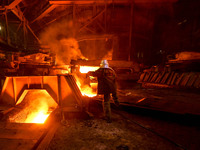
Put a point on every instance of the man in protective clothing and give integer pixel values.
(106, 85)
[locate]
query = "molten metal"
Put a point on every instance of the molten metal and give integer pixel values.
(37, 106)
(86, 69)
(40, 117)
(86, 90)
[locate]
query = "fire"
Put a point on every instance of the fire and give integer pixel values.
(37, 106)
(87, 89)
(39, 117)
(86, 69)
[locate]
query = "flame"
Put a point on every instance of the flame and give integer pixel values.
(86, 69)
(88, 90)
(40, 117)
(38, 105)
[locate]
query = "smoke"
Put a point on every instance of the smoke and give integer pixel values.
(109, 55)
(59, 37)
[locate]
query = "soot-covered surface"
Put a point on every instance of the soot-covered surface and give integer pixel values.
(133, 128)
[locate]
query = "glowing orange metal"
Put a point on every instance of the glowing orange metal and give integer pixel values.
(86, 69)
(39, 105)
(86, 90)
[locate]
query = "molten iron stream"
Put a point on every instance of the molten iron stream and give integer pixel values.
(87, 90)
(37, 106)
(86, 69)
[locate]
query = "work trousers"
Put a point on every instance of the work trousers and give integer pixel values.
(106, 104)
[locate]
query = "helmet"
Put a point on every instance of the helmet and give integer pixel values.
(104, 64)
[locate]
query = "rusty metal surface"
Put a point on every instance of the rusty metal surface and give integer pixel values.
(63, 89)
(170, 79)
(28, 135)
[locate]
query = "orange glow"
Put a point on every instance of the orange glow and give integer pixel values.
(64, 71)
(38, 105)
(86, 89)
(109, 55)
(141, 100)
(40, 117)
(86, 69)
(93, 85)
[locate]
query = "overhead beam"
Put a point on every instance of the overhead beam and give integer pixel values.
(130, 32)
(92, 19)
(95, 37)
(13, 4)
(58, 17)
(68, 2)
(20, 15)
(82, 2)
(48, 10)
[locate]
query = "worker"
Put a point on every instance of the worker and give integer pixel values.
(106, 85)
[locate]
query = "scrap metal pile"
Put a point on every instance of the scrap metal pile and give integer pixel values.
(181, 72)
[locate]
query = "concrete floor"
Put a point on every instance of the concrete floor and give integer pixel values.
(151, 119)
(148, 119)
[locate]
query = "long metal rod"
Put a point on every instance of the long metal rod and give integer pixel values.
(102, 2)
(130, 33)
(14, 88)
(85, 2)
(48, 10)
(24, 29)
(20, 15)
(7, 31)
(74, 19)
(90, 21)
(13, 4)
(106, 6)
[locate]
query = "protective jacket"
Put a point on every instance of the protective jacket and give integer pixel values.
(106, 80)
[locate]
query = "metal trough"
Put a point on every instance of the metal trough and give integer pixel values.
(62, 88)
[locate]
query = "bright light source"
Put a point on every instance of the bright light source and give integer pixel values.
(0, 28)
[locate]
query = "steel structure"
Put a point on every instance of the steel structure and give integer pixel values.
(62, 88)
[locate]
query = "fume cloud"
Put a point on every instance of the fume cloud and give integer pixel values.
(59, 37)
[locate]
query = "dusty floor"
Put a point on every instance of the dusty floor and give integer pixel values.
(171, 122)
(137, 129)
(98, 135)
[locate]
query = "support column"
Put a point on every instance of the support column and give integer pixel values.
(7, 30)
(130, 33)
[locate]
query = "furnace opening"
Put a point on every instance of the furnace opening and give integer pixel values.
(87, 85)
(34, 106)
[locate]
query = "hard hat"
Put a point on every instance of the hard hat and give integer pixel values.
(104, 64)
